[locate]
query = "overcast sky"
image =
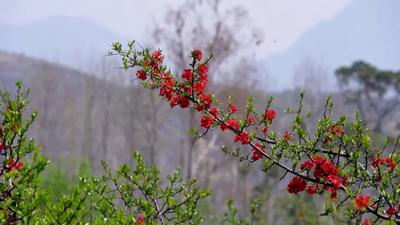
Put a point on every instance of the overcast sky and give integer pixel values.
(282, 21)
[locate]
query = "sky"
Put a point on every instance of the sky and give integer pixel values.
(281, 21)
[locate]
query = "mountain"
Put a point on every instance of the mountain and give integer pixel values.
(15, 67)
(366, 29)
(65, 40)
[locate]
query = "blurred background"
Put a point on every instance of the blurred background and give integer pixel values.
(90, 110)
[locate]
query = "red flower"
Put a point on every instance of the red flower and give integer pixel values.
(230, 124)
(366, 222)
(141, 75)
(335, 181)
(158, 56)
(385, 160)
(391, 211)
(197, 54)
(200, 86)
(250, 120)
(296, 185)
(312, 189)
(214, 111)
(187, 74)
(345, 180)
(139, 219)
(203, 69)
(206, 99)
(264, 130)
(375, 162)
(307, 165)
(257, 152)
(243, 137)
(270, 114)
(14, 165)
(206, 121)
(287, 135)
(362, 202)
(388, 161)
(233, 108)
(184, 102)
(324, 168)
(174, 101)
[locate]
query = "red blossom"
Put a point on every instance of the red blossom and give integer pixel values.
(174, 101)
(203, 69)
(206, 121)
(214, 111)
(307, 165)
(312, 189)
(345, 180)
(385, 160)
(187, 74)
(250, 120)
(335, 181)
(230, 124)
(233, 108)
(197, 54)
(200, 86)
(184, 102)
(139, 219)
(375, 162)
(389, 162)
(157, 56)
(243, 137)
(296, 185)
(362, 202)
(257, 152)
(141, 75)
(324, 168)
(391, 211)
(367, 222)
(264, 130)
(270, 114)
(287, 136)
(206, 100)
(12, 164)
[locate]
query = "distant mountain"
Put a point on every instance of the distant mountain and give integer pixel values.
(366, 29)
(15, 67)
(63, 40)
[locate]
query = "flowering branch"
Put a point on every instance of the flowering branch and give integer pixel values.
(333, 159)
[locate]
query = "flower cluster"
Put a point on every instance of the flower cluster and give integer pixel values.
(14, 165)
(296, 185)
(325, 172)
(191, 90)
(383, 161)
(362, 202)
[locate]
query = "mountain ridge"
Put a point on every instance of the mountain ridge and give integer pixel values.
(361, 31)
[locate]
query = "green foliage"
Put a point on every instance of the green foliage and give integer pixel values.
(28, 195)
(21, 161)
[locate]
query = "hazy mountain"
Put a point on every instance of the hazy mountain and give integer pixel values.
(65, 40)
(366, 29)
(15, 67)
